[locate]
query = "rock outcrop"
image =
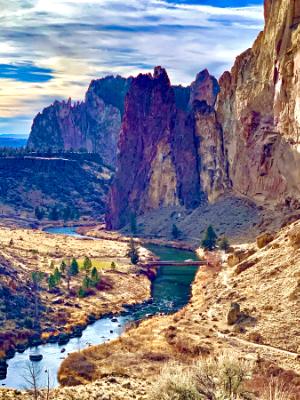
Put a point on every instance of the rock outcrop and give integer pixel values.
(170, 148)
(92, 125)
(259, 110)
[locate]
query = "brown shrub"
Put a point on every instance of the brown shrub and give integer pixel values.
(77, 363)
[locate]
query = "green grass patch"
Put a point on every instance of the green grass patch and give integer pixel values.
(96, 262)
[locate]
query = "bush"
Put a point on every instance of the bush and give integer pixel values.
(218, 378)
(174, 383)
(224, 244)
(28, 323)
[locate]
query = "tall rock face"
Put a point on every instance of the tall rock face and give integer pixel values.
(93, 125)
(162, 160)
(259, 110)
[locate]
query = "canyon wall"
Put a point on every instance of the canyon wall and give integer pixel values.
(259, 110)
(171, 148)
(92, 125)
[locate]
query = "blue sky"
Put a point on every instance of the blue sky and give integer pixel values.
(51, 49)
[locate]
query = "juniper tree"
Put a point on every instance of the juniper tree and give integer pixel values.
(210, 239)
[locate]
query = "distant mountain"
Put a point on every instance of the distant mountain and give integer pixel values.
(92, 125)
(15, 141)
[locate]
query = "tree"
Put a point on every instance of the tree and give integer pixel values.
(176, 233)
(36, 277)
(87, 265)
(63, 266)
(81, 292)
(113, 265)
(52, 265)
(133, 252)
(210, 239)
(32, 377)
(52, 282)
(224, 244)
(74, 268)
(95, 276)
(57, 276)
(54, 214)
(39, 213)
(133, 226)
(86, 283)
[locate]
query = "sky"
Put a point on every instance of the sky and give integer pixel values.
(52, 49)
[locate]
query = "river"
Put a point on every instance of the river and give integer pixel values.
(171, 291)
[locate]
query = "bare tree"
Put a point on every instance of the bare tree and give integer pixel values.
(32, 376)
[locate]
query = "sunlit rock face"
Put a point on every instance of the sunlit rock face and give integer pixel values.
(259, 110)
(92, 125)
(163, 160)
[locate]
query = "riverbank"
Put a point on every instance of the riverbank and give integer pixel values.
(99, 232)
(62, 311)
(264, 285)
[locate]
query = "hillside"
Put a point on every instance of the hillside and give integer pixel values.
(61, 186)
(265, 285)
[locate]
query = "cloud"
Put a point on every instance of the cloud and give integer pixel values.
(52, 49)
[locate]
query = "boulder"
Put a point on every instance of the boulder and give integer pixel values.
(234, 314)
(264, 239)
(294, 236)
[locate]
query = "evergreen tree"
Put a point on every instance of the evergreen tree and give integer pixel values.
(54, 214)
(39, 213)
(74, 268)
(57, 276)
(133, 226)
(87, 265)
(224, 244)
(175, 232)
(210, 239)
(52, 282)
(81, 292)
(36, 278)
(95, 276)
(133, 252)
(63, 266)
(113, 265)
(86, 283)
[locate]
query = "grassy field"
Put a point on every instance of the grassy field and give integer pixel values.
(98, 263)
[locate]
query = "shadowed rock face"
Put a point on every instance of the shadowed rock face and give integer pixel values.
(93, 125)
(258, 108)
(161, 162)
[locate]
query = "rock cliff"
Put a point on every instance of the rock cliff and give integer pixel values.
(171, 148)
(92, 125)
(245, 130)
(258, 108)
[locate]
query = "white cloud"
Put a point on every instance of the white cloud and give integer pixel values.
(85, 39)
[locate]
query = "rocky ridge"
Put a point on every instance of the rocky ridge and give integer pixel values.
(92, 125)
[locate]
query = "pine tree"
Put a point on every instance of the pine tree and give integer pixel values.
(87, 265)
(52, 282)
(175, 232)
(113, 265)
(86, 283)
(57, 276)
(36, 278)
(95, 276)
(74, 268)
(81, 292)
(224, 244)
(133, 226)
(133, 252)
(210, 239)
(63, 266)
